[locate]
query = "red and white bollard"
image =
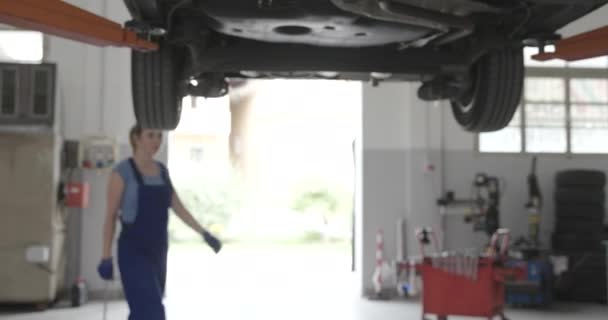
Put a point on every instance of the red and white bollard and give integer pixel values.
(378, 278)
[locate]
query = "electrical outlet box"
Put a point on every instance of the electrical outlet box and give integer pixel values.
(98, 153)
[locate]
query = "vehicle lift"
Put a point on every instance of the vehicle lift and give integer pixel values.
(58, 18)
(480, 209)
(586, 45)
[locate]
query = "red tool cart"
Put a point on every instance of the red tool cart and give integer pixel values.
(464, 285)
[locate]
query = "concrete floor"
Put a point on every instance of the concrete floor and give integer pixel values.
(356, 309)
(246, 286)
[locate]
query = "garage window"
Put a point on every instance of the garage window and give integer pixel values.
(564, 109)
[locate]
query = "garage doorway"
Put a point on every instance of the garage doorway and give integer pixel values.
(271, 170)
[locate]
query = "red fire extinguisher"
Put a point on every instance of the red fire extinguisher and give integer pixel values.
(77, 195)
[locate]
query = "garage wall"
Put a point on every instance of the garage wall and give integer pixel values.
(94, 83)
(462, 162)
(94, 98)
(384, 164)
(402, 136)
(397, 148)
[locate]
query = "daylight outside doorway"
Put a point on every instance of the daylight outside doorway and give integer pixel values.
(270, 170)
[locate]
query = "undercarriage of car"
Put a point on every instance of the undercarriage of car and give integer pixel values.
(466, 51)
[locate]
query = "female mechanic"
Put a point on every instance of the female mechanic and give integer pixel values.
(140, 189)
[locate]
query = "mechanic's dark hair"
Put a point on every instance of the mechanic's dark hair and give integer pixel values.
(135, 132)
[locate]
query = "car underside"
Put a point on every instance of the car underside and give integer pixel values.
(466, 51)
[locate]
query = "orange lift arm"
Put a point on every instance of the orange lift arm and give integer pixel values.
(64, 20)
(583, 46)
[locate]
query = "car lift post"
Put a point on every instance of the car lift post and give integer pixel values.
(56, 17)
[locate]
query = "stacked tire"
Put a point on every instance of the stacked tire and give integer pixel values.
(578, 234)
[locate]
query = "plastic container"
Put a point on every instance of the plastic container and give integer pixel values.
(79, 293)
(480, 292)
(606, 245)
(450, 294)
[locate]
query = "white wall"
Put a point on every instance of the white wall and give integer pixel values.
(94, 83)
(400, 138)
(462, 162)
(384, 164)
(94, 99)
(402, 135)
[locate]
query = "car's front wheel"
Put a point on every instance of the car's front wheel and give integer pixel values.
(157, 88)
(494, 92)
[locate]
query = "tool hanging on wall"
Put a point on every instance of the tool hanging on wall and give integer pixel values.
(530, 245)
(532, 282)
(534, 205)
(481, 209)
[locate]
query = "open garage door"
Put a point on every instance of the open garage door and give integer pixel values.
(271, 170)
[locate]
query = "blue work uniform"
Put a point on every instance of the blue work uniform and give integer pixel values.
(142, 249)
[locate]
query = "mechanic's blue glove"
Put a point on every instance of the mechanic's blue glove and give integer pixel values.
(106, 269)
(212, 241)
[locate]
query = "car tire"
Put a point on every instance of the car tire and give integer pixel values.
(587, 261)
(579, 196)
(572, 242)
(580, 212)
(495, 93)
(156, 89)
(578, 226)
(581, 178)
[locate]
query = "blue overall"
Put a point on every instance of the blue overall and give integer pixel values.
(142, 250)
